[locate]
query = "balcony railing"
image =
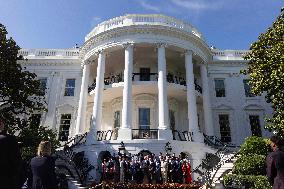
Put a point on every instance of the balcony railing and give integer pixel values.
(182, 135)
(107, 135)
(140, 19)
(145, 77)
(144, 133)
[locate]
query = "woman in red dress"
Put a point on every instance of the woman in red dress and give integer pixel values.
(186, 170)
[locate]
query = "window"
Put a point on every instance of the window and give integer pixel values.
(42, 85)
(65, 123)
(69, 87)
(116, 119)
(247, 88)
(172, 120)
(255, 125)
(144, 74)
(220, 87)
(35, 120)
(144, 118)
(225, 131)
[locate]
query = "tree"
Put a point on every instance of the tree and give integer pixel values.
(266, 71)
(20, 92)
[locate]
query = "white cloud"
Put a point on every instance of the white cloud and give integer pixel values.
(95, 21)
(148, 6)
(199, 5)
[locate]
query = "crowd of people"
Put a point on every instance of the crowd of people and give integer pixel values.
(147, 169)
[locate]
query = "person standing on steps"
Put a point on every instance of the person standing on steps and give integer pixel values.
(275, 163)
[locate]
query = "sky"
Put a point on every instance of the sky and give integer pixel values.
(225, 24)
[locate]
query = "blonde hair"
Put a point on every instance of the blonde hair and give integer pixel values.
(44, 148)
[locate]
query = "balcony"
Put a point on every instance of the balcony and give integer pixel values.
(145, 77)
(144, 133)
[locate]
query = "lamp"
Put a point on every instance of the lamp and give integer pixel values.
(168, 147)
(121, 148)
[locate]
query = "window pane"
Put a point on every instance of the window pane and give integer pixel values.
(69, 87)
(144, 74)
(64, 127)
(220, 87)
(255, 125)
(247, 88)
(144, 118)
(172, 119)
(116, 119)
(69, 92)
(70, 82)
(42, 85)
(225, 130)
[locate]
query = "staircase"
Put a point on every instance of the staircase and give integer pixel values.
(215, 166)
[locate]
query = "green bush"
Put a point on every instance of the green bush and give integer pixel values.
(250, 165)
(249, 181)
(254, 145)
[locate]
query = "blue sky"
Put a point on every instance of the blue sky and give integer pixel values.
(226, 24)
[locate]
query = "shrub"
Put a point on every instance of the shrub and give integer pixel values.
(249, 181)
(255, 145)
(250, 165)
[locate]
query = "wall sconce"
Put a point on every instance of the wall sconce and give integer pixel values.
(168, 147)
(121, 149)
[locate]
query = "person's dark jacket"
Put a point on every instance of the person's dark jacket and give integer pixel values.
(10, 162)
(275, 169)
(43, 171)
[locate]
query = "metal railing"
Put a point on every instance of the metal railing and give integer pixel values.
(182, 135)
(144, 133)
(107, 135)
(216, 142)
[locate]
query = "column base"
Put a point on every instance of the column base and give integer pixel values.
(165, 134)
(124, 134)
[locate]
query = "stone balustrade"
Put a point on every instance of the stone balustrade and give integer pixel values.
(69, 53)
(138, 19)
(229, 54)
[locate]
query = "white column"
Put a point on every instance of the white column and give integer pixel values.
(164, 132)
(191, 98)
(97, 108)
(209, 130)
(125, 130)
(81, 117)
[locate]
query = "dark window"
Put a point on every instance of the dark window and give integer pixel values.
(42, 85)
(144, 74)
(65, 123)
(69, 87)
(172, 119)
(220, 87)
(225, 130)
(116, 119)
(247, 88)
(35, 120)
(255, 125)
(144, 118)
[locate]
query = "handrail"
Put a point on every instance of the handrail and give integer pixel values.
(183, 135)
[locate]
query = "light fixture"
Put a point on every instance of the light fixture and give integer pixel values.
(168, 147)
(121, 149)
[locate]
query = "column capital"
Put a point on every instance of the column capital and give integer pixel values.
(160, 44)
(127, 45)
(188, 52)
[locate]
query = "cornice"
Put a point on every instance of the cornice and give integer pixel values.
(199, 46)
(49, 62)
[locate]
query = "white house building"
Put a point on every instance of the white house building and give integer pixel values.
(147, 80)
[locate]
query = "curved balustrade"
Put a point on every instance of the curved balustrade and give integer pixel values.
(106, 135)
(216, 142)
(140, 19)
(145, 77)
(182, 135)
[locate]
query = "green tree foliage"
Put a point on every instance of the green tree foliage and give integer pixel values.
(249, 169)
(20, 92)
(266, 71)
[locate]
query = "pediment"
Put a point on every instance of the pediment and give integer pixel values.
(253, 107)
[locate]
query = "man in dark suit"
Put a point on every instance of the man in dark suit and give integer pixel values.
(10, 160)
(275, 163)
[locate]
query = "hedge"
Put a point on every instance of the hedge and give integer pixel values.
(250, 165)
(255, 145)
(249, 181)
